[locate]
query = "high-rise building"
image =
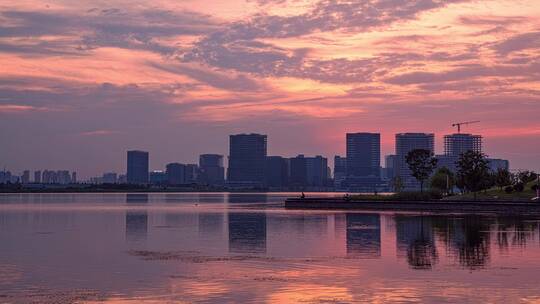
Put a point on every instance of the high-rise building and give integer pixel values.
(405, 143)
(340, 172)
(74, 177)
(363, 154)
(37, 177)
(277, 171)
(247, 159)
(211, 169)
(176, 174)
(25, 177)
(137, 167)
(454, 146)
(158, 177)
(63, 177)
(309, 171)
(389, 166)
(191, 173)
(457, 144)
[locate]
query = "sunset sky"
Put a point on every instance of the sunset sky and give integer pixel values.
(83, 81)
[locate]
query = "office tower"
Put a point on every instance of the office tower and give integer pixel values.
(457, 144)
(176, 174)
(37, 177)
(340, 172)
(308, 171)
(109, 178)
(25, 177)
(247, 159)
(74, 177)
(191, 173)
(454, 146)
(389, 165)
(137, 167)
(211, 169)
(277, 171)
(363, 154)
(158, 177)
(405, 143)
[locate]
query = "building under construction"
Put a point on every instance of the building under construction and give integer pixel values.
(459, 143)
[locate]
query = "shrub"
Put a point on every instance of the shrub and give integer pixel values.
(534, 187)
(519, 187)
(508, 189)
(417, 196)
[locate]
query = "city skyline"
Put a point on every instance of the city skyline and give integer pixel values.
(86, 79)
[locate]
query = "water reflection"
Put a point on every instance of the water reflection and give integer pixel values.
(247, 232)
(363, 235)
(234, 248)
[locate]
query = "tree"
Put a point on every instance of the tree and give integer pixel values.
(473, 171)
(421, 163)
(503, 177)
(443, 180)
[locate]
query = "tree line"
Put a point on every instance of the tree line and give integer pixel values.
(472, 175)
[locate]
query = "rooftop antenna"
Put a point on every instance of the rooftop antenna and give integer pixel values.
(458, 124)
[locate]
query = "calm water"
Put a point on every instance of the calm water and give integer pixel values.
(233, 248)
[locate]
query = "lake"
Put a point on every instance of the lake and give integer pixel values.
(245, 247)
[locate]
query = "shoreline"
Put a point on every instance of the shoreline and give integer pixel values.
(428, 206)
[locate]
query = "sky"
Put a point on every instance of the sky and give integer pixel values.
(83, 81)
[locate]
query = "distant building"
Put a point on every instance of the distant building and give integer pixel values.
(25, 177)
(74, 177)
(457, 144)
(309, 171)
(340, 172)
(137, 167)
(37, 177)
(247, 159)
(277, 172)
(211, 169)
(454, 146)
(109, 178)
(5, 177)
(405, 143)
(496, 164)
(176, 174)
(158, 177)
(63, 177)
(122, 179)
(191, 173)
(363, 154)
(389, 166)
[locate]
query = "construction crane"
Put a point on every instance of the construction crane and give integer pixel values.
(458, 124)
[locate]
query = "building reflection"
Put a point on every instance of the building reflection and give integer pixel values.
(363, 235)
(136, 225)
(132, 198)
(415, 241)
(244, 198)
(136, 220)
(247, 232)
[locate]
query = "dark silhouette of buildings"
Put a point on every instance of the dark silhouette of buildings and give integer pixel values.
(309, 171)
(277, 172)
(211, 169)
(405, 143)
(175, 174)
(137, 167)
(247, 159)
(340, 172)
(363, 161)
